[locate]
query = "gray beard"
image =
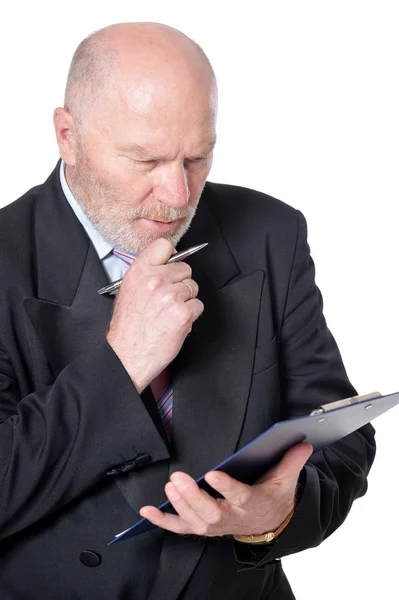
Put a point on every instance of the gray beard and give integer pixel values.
(122, 236)
(103, 212)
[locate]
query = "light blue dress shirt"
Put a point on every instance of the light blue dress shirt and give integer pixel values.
(114, 267)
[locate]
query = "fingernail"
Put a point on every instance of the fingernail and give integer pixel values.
(213, 479)
(173, 494)
(179, 484)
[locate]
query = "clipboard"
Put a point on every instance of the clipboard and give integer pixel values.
(324, 426)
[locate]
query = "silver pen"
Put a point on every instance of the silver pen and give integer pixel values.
(112, 288)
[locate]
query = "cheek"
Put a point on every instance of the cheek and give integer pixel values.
(130, 189)
(135, 189)
(196, 181)
(118, 179)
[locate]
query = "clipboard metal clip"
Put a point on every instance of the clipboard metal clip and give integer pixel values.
(345, 402)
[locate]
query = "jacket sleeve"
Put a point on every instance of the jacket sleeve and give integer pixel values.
(57, 443)
(312, 373)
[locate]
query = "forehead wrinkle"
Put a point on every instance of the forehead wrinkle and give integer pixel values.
(147, 154)
(140, 151)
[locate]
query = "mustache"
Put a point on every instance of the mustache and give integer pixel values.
(160, 212)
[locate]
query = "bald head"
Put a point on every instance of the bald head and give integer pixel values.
(129, 58)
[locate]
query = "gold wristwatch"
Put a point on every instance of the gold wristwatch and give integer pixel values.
(265, 538)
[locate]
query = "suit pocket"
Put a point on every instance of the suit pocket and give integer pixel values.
(265, 356)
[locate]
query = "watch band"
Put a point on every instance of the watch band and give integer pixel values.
(265, 538)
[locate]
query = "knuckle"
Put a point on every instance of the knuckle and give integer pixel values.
(183, 314)
(182, 270)
(181, 529)
(194, 286)
(215, 518)
(153, 283)
(198, 308)
(168, 298)
(243, 498)
(187, 270)
(203, 529)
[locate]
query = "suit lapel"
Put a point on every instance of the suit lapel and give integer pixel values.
(66, 331)
(67, 313)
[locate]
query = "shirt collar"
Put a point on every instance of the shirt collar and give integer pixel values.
(102, 247)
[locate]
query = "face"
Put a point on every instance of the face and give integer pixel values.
(141, 163)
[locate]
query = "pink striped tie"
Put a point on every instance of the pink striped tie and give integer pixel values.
(161, 386)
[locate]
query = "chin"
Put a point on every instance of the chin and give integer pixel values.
(141, 241)
(133, 241)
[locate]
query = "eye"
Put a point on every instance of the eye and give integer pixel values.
(197, 161)
(143, 164)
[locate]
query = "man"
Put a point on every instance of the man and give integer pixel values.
(234, 341)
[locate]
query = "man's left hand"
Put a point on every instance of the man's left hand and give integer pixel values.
(243, 510)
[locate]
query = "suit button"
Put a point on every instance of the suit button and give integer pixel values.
(142, 459)
(130, 465)
(89, 558)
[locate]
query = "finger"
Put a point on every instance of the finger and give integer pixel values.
(235, 492)
(291, 464)
(165, 520)
(189, 521)
(176, 272)
(206, 508)
(156, 253)
(190, 289)
(196, 307)
(180, 291)
(192, 522)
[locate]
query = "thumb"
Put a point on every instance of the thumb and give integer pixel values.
(157, 253)
(291, 464)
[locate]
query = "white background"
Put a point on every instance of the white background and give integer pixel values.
(308, 113)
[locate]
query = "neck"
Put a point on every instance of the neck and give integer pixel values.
(70, 178)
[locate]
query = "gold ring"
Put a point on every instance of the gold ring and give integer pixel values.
(190, 288)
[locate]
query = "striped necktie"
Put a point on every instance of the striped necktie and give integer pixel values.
(161, 386)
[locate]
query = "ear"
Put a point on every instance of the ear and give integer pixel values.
(65, 132)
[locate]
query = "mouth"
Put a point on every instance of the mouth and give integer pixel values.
(157, 225)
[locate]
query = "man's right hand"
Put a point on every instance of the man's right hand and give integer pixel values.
(153, 313)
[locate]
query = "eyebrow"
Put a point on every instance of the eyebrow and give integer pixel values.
(146, 155)
(207, 150)
(139, 150)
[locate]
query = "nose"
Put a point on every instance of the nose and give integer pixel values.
(172, 187)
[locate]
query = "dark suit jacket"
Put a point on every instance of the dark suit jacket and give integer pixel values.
(69, 412)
